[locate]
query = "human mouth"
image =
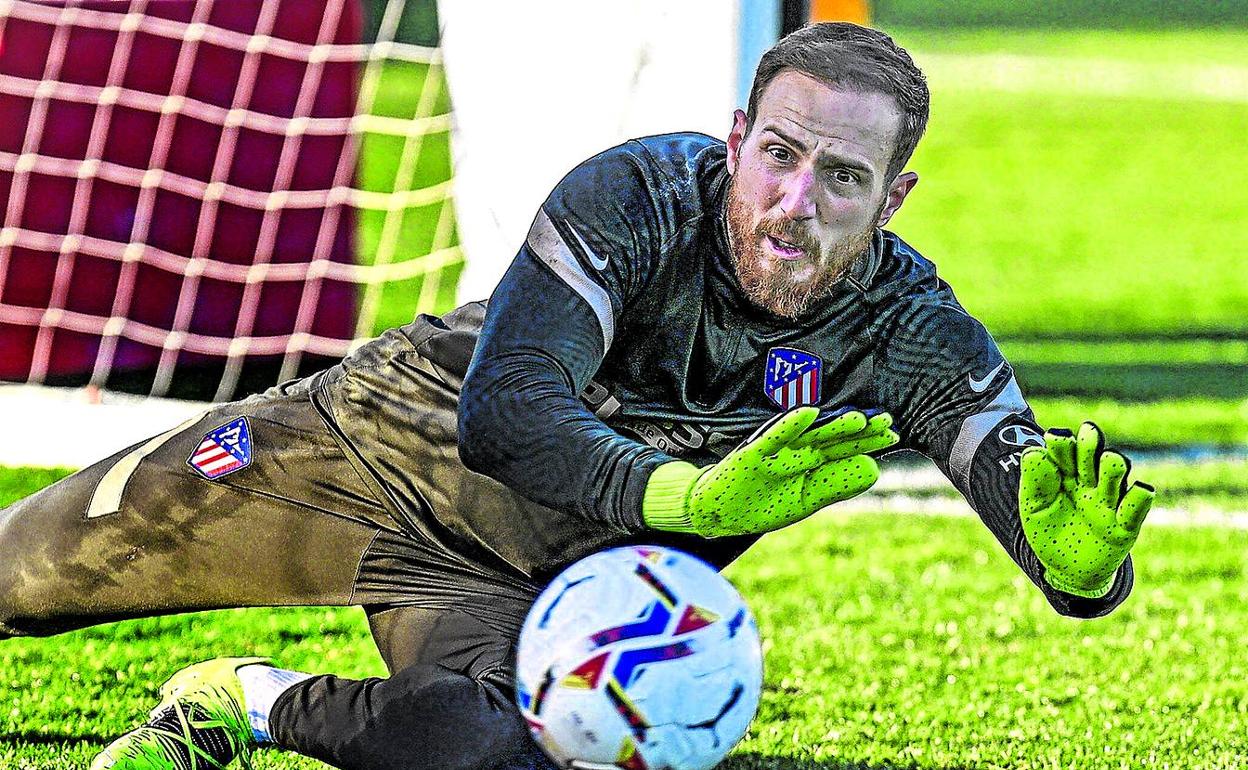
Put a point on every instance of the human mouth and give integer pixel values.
(783, 249)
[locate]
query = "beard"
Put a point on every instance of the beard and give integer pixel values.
(779, 286)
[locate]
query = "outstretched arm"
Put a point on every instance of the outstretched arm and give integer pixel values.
(957, 401)
(547, 328)
(1070, 532)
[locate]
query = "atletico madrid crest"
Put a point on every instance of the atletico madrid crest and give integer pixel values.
(792, 377)
(223, 450)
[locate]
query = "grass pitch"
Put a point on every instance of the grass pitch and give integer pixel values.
(913, 643)
(891, 642)
(1200, 422)
(1101, 205)
(1198, 485)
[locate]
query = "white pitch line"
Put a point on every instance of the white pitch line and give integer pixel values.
(899, 482)
(1161, 80)
(873, 502)
(75, 427)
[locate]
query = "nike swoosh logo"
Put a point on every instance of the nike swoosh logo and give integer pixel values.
(979, 386)
(598, 262)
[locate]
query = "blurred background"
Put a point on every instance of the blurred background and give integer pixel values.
(202, 198)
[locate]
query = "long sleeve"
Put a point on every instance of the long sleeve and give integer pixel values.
(547, 328)
(960, 405)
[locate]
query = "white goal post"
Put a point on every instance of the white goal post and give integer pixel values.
(537, 92)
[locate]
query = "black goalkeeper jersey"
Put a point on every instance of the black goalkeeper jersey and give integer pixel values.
(620, 339)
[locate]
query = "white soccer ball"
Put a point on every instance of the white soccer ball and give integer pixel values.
(640, 658)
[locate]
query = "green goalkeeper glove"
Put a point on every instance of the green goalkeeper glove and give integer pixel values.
(783, 473)
(1077, 511)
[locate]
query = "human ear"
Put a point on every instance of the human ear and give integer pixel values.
(897, 193)
(735, 137)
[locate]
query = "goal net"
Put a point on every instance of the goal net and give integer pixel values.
(202, 198)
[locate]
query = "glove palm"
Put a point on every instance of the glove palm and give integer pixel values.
(1077, 512)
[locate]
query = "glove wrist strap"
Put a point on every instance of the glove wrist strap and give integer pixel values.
(664, 504)
(1069, 587)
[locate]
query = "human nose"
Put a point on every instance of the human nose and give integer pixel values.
(797, 199)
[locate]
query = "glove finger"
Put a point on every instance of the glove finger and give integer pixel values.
(840, 480)
(1060, 444)
(794, 462)
(1089, 443)
(1039, 481)
(780, 431)
(1122, 485)
(864, 444)
(839, 427)
(879, 424)
(1109, 485)
(1136, 504)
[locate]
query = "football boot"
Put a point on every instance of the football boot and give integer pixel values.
(200, 724)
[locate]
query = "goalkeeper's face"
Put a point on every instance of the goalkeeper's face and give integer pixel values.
(809, 186)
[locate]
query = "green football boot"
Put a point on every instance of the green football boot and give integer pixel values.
(200, 724)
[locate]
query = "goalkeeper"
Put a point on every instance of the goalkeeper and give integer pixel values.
(698, 342)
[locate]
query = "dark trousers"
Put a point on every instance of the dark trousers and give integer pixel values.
(448, 703)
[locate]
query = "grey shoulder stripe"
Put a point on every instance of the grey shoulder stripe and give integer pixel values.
(549, 246)
(977, 427)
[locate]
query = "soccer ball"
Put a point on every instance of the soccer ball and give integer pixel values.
(641, 658)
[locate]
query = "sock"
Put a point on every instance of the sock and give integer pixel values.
(261, 687)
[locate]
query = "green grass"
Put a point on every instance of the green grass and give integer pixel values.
(1164, 423)
(904, 642)
(891, 642)
(16, 483)
(1215, 484)
(1225, 45)
(1072, 214)
(1205, 375)
(1061, 14)
(1184, 485)
(1132, 383)
(1151, 352)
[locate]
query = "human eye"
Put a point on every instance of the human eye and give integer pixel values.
(843, 176)
(778, 153)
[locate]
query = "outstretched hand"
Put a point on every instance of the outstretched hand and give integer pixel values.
(789, 469)
(1078, 513)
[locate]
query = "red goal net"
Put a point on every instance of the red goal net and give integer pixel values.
(187, 203)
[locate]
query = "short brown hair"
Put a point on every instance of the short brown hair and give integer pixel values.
(857, 58)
